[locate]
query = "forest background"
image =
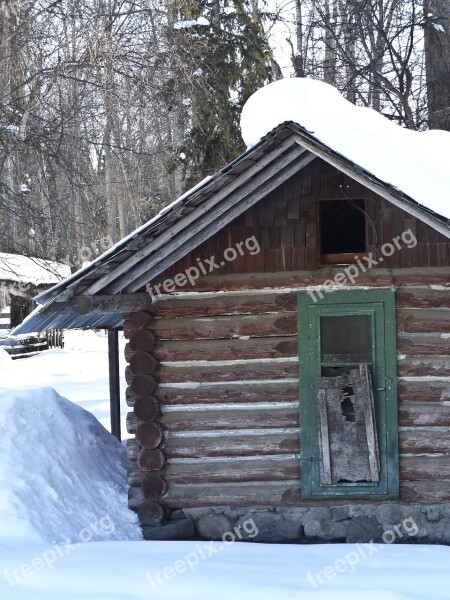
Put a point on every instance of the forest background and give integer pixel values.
(110, 109)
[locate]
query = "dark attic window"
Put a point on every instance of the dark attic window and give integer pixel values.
(342, 231)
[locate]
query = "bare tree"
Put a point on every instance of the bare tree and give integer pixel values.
(372, 50)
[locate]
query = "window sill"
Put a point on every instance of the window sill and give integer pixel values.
(343, 258)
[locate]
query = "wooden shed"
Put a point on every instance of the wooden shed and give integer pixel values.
(288, 325)
(21, 278)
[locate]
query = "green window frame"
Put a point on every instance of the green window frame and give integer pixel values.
(379, 305)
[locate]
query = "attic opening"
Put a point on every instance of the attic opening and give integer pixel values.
(342, 231)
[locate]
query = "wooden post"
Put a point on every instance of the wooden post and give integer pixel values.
(114, 383)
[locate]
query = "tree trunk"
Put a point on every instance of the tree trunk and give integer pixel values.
(298, 59)
(329, 65)
(437, 61)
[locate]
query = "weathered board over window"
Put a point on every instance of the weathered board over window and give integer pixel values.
(347, 435)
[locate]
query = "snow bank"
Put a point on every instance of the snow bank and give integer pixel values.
(414, 162)
(79, 372)
(61, 472)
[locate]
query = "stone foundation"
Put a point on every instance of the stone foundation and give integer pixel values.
(385, 523)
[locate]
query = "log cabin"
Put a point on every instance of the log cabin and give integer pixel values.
(288, 355)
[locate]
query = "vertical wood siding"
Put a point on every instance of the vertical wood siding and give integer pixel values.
(285, 225)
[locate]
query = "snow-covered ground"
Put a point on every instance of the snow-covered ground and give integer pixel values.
(66, 531)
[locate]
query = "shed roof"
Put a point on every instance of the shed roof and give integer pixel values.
(197, 215)
(31, 270)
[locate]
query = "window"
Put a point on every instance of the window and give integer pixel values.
(348, 402)
(342, 231)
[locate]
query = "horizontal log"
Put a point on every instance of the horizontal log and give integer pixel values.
(302, 279)
(423, 345)
(134, 474)
(152, 513)
(136, 497)
(423, 391)
(423, 321)
(133, 449)
(285, 494)
(147, 409)
(142, 339)
(151, 460)
(224, 304)
(420, 468)
(241, 494)
(427, 413)
(270, 347)
(138, 320)
(423, 298)
(226, 327)
(131, 397)
(143, 385)
(230, 372)
(153, 484)
(425, 491)
(118, 303)
(149, 435)
(230, 419)
(229, 304)
(408, 321)
(423, 366)
(233, 445)
(289, 279)
(128, 353)
(281, 391)
(131, 422)
(129, 331)
(424, 441)
(416, 441)
(143, 363)
(229, 471)
(130, 376)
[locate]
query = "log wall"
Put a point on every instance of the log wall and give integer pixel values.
(213, 383)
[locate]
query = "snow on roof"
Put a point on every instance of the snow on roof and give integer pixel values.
(417, 163)
(28, 269)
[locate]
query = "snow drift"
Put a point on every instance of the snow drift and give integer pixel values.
(61, 472)
(414, 162)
